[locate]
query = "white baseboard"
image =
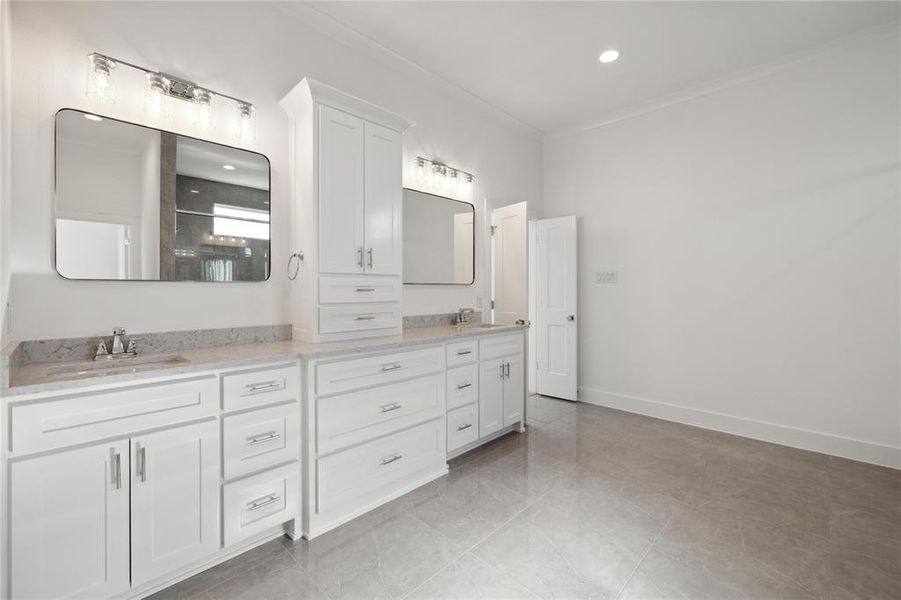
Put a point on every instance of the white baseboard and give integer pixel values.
(826, 443)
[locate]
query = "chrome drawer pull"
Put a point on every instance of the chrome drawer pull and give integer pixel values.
(463, 386)
(464, 427)
(263, 386)
(369, 318)
(261, 502)
(365, 289)
(390, 459)
(140, 462)
(391, 367)
(262, 438)
(463, 352)
(390, 407)
(115, 468)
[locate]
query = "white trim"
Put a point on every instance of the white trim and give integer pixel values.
(796, 437)
(724, 83)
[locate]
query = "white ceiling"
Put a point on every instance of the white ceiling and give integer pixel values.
(204, 160)
(538, 61)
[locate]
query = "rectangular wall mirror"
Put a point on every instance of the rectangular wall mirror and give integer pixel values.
(439, 240)
(138, 203)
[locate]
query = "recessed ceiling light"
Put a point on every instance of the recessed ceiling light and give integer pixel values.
(608, 56)
(195, 191)
(228, 167)
(93, 118)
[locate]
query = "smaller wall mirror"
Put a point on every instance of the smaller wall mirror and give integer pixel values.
(439, 240)
(134, 202)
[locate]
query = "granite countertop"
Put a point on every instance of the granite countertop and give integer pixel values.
(33, 378)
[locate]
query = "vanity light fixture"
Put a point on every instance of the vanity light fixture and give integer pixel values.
(608, 56)
(442, 174)
(159, 87)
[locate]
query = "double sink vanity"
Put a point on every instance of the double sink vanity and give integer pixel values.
(131, 465)
(125, 477)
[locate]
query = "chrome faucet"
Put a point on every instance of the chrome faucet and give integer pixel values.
(464, 316)
(119, 348)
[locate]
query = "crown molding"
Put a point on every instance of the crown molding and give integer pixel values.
(729, 81)
(348, 36)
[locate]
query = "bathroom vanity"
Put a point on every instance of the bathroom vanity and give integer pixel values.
(122, 483)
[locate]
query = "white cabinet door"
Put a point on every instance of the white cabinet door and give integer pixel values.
(69, 524)
(491, 396)
(340, 192)
(514, 390)
(383, 200)
(174, 499)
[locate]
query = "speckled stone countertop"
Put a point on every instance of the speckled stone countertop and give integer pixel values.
(33, 378)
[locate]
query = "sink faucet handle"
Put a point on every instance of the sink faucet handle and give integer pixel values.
(101, 349)
(132, 348)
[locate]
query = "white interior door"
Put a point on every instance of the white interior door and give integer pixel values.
(340, 192)
(92, 249)
(556, 328)
(174, 499)
(509, 261)
(383, 202)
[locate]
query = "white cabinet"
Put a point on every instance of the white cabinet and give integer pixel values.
(514, 390)
(174, 497)
(69, 523)
(491, 396)
(347, 189)
(341, 189)
(383, 203)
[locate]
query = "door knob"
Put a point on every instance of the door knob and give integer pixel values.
(571, 318)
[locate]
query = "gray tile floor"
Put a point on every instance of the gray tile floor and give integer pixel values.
(596, 503)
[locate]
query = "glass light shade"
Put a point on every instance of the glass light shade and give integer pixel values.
(156, 101)
(246, 130)
(99, 83)
(203, 110)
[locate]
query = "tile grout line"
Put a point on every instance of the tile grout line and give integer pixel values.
(476, 544)
(643, 557)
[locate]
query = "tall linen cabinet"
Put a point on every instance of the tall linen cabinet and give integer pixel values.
(346, 181)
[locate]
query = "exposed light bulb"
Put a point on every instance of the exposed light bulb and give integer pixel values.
(155, 95)
(246, 130)
(98, 83)
(203, 113)
(420, 168)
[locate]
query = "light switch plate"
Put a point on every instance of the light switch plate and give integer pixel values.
(606, 277)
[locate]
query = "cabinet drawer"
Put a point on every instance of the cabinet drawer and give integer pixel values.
(346, 375)
(360, 416)
(249, 389)
(462, 353)
(365, 288)
(462, 386)
(343, 319)
(255, 440)
(75, 419)
(356, 475)
(256, 503)
(501, 345)
(462, 426)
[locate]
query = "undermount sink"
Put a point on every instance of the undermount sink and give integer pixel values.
(114, 366)
(471, 326)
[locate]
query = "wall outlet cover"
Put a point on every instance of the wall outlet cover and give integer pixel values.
(606, 277)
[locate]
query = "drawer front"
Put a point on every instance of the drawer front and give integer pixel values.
(75, 419)
(462, 353)
(358, 288)
(344, 319)
(363, 415)
(354, 476)
(356, 373)
(255, 440)
(256, 503)
(249, 389)
(501, 345)
(462, 426)
(462, 386)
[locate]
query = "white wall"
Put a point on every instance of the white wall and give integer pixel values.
(50, 42)
(5, 163)
(756, 235)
